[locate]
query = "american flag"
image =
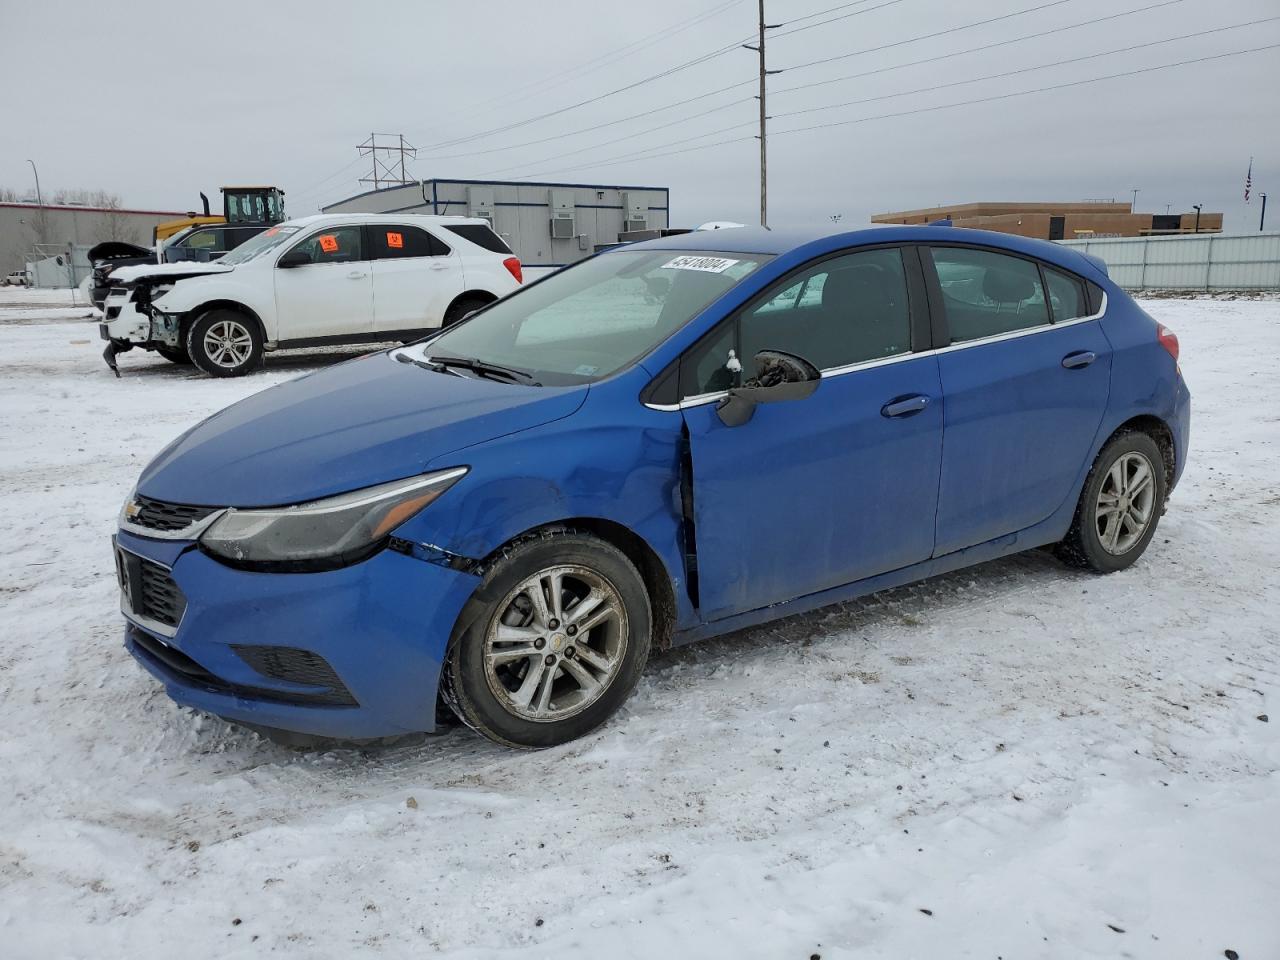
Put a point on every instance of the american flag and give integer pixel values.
(1248, 180)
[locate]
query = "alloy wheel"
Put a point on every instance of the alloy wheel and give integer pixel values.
(556, 644)
(1126, 503)
(228, 344)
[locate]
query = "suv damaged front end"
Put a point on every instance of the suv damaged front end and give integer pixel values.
(132, 319)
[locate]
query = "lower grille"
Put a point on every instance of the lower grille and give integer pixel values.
(177, 664)
(292, 665)
(150, 590)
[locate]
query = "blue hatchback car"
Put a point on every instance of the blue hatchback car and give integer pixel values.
(667, 441)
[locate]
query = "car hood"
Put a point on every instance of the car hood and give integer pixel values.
(167, 271)
(363, 422)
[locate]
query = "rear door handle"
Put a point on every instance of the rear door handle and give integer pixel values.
(1081, 358)
(905, 406)
(356, 275)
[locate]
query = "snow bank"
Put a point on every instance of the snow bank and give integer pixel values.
(1012, 761)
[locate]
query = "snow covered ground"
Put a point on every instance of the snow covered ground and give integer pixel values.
(1012, 761)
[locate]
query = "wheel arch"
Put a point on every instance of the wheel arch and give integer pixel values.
(223, 304)
(1157, 430)
(475, 294)
(653, 571)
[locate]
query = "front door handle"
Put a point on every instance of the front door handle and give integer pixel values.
(1079, 359)
(356, 275)
(905, 406)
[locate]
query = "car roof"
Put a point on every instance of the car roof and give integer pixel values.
(425, 218)
(819, 240)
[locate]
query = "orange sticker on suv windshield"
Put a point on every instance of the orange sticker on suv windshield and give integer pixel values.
(328, 243)
(395, 240)
(272, 232)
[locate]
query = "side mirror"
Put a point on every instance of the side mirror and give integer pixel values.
(779, 376)
(294, 258)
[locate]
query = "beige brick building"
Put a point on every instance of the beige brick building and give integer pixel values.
(1080, 220)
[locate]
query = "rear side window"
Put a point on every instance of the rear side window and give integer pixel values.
(480, 235)
(986, 294)
(395, 242)
(1066, 295)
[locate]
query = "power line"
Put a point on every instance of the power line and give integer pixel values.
(610, 57)
(979, 49)
(601, 126)
(887, 96)
(648, 155)
(930, 36)
(1031, 69)
(810, 16)
(865, 73)
(719, 52)
(843, 16)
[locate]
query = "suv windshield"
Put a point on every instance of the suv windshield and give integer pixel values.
(593, 319)
(267, 240)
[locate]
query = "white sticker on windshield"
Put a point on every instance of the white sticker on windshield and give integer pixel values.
(705, 264)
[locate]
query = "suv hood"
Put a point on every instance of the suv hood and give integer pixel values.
(167, 271)
(366, 421)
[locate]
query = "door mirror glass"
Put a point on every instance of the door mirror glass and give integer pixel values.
(779, 376)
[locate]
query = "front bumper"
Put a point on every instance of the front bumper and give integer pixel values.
(382, 626)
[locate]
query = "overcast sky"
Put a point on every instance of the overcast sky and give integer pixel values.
(169, 99)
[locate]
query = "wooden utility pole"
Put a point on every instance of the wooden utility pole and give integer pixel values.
(764, 116)
(764, 146)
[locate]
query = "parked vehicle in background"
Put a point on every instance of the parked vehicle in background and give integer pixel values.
(18, 278)
(322, 280)
(671, 440)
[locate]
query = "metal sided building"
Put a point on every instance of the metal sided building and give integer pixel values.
(546, 224)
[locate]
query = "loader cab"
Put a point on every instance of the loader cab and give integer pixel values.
(256, 205)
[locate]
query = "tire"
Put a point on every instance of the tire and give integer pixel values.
(224, 343)
(459, 309)
(1118, 511)
(545, 666)
(176, 355)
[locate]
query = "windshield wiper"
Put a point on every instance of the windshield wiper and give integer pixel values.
(484, 368)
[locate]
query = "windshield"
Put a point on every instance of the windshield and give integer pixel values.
(266, 240)
(595, 318)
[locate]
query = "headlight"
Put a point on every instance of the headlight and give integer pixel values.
(324, 534)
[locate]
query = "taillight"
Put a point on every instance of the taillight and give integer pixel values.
(513, 265)
(1168, 339)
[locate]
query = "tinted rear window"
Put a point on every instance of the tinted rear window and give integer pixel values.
(480, 235)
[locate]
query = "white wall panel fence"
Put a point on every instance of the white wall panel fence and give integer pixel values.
(1246, 261)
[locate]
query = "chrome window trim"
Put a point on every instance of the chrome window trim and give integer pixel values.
(704, 398)
(146, 623)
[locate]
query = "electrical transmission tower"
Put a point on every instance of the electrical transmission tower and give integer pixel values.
(388, 159)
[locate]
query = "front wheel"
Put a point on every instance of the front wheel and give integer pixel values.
(556, 638)
(224, 343)
(1119, 507)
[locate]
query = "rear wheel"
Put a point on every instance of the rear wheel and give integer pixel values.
(557, 637)
(460, 309)
(1119, 507)
(224, 343)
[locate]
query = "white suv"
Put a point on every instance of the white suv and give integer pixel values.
(341, 278)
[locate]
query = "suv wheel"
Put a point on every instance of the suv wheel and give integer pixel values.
(555, 640)
(224, 343)
(1119, 507)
